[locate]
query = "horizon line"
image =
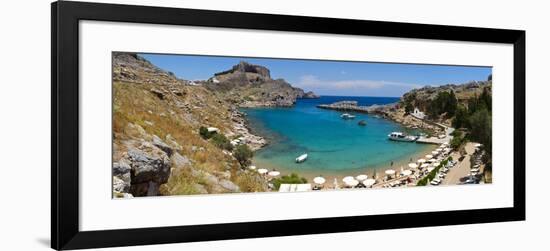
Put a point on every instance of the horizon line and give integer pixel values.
(321, 95)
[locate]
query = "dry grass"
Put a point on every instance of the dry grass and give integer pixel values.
(249, 183)
(135, 103)
(181, 183)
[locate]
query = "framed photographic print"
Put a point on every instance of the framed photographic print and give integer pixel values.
(178, 125)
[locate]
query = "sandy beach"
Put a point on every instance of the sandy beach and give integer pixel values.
(380, 171)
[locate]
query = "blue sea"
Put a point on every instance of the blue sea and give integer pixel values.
(333, 145)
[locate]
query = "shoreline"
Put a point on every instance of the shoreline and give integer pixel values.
(330, 175)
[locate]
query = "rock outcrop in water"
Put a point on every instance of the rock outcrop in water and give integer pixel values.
(248, 85)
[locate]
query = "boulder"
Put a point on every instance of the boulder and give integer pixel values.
(171, 141)
(121, 176)
(137, 131)
(163, 146)
(179, 161)
(120, 186)
(159, 93)
(121, 167)
(200, 189)
(150, 167)
(228, 185)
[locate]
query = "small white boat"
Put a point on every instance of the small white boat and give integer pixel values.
(399, 136)
(301, 158)
(347, 116)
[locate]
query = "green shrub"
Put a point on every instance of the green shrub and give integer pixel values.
(243, 154)
(293, 178)
(424, 181)
(457, 141)
(205, 134)
(221, 142)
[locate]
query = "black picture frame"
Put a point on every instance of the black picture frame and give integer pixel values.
(65, 233)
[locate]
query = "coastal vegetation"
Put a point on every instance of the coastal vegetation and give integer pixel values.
(222, 142)
(445, 103)
(205, 134)
(293, 178)
(458, 139)
(467, 108)
(243, 154)
(424, 181)
(476, 118)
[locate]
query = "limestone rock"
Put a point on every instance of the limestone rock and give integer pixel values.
(119, 186)
(163, 146)
(200, 189)
(226, 184)
(171, 141)
(180, 161)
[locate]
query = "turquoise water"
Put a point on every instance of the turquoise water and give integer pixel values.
(332, 143)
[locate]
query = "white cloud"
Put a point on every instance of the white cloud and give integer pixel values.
(313, 82)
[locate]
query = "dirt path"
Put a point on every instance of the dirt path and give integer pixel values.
(462, 169)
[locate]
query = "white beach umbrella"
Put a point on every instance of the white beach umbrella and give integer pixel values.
(274, 173)
(436, 164)
(252, 167)
(348, 179)
(431, 168)
(429, 156)
(369, 182)
(390, 172)
(351, 183)
(432, 160)
(477, 145)
(439, 149)
(421, 160)
(424, 165)
(319, 180)
(361, 177)
(445, 143)
(262, 171)
(413, 165)
(407, 172)
(435, 152)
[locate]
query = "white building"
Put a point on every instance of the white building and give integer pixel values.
(418, 114)
(213, 129)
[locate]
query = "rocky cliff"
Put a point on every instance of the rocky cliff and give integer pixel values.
(248, 85)
(422, 99)
(157, 148)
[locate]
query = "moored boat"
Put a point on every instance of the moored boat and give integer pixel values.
(399, 136)
(347, 116)
(301, 158)
(362, 123)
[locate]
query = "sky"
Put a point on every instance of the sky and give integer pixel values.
(337, 78)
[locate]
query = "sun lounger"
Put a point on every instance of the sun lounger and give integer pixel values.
(284, 188)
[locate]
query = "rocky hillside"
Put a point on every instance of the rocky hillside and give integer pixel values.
(422, 96)
(249, 85)
(424, 99)
(157, 148)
